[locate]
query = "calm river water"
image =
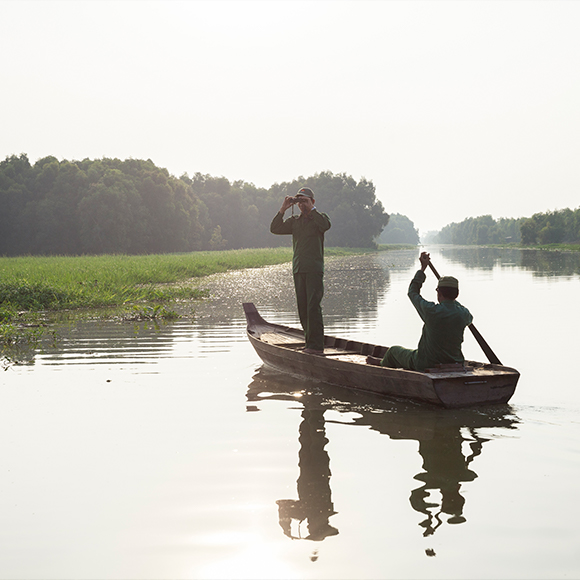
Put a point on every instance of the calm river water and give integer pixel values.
(143, 451)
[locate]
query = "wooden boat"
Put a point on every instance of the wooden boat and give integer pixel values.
(344, 364)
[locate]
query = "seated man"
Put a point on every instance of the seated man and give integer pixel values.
(442, 335)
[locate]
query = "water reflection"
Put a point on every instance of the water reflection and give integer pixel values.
(364, 278)
(443, 435)
(540, 262)
(446, 468)
(480, 257)
(314, 504)
(551, 263)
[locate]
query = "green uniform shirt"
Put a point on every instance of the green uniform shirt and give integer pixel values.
(443, 329)
(307, 239)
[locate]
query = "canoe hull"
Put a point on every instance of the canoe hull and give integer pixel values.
(344, 365)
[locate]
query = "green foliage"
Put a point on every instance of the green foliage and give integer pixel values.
(26, 296)
(356, 215)
(133, 207)
(100, 206)
(141, 285)
(59, 282)
(550, 228)
(480, 230)
(152, 313)
(554, 227)
(399, 230)
(243, 212)
(216, 241)
(17, 341)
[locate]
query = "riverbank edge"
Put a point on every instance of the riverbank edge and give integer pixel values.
(38, 290)
(35, 289)
(545, 247)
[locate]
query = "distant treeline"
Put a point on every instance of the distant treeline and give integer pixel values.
(555, 227)
(134, 207)
(480, 230)
(399, 230)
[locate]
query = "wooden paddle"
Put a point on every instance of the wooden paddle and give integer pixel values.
(480, 340)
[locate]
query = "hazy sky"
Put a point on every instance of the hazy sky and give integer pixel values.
(452, 109)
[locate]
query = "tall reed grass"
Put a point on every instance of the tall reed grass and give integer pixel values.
(57, 282)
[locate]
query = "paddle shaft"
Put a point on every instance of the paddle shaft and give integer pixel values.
(491, 356)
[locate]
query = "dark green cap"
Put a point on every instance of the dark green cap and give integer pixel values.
(448, 282)
(306, 191)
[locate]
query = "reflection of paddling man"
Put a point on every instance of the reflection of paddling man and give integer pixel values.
(445, 468)
(442, 437)
(442, 334)
(315, 504)
(307, 231)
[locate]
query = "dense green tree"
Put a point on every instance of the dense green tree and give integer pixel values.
(529, 231)
(234, 207)
(92, 206)
(15, 175)
(399, 230)
(356, 215)
(554, 227)
(216, 241)
(56, 225)
(111, 216)
(244, 211)
(480, 230)
(132, 206)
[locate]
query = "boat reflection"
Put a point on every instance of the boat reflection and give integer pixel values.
(449, 441)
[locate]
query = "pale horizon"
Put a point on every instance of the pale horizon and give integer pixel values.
(452, 109)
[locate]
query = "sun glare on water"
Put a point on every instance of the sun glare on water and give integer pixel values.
(246, 555)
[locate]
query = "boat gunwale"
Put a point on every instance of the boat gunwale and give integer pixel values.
(434, 386)
(469, 367)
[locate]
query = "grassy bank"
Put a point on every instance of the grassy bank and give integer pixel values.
(55, 283)
(559, 247)
(554, 247)
(34, 284)
(132, 287)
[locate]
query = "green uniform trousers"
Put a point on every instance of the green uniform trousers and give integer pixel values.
(398, 357)
(309, 288)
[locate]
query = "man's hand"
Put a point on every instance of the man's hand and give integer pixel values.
(288, 202)
(424, 258)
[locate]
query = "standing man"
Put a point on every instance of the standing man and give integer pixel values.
(442, 334)
(307, 231)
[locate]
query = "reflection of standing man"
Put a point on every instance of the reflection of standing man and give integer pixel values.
(315, 503)
(307, 231)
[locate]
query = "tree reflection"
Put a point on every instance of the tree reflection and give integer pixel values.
(548, 263)
(442, 434)
(542, 263)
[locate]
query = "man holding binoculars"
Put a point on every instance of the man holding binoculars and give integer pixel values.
(307, 231)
